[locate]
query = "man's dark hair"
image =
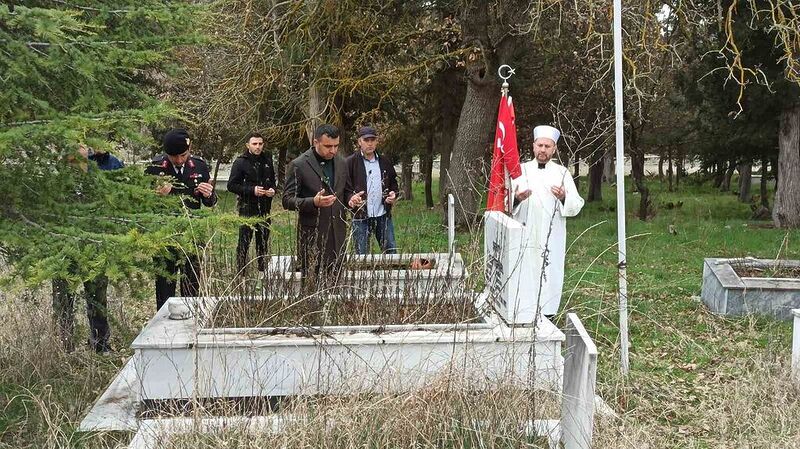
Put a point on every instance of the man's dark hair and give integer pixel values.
(253, 134)
(326, 130)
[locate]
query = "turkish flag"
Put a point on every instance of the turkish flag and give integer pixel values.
(505, 158)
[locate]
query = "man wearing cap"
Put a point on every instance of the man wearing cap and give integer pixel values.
(315, 188)
(188, 176)
(545, 196)
(372, 191)
(96, 289)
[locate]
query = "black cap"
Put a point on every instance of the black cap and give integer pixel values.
(367, 131)
(176, 141)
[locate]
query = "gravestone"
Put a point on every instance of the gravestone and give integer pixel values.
(580, 371)
(796, 345)
(511, 288)
(726, 292)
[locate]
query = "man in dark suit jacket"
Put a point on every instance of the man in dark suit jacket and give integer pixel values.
(315, 184)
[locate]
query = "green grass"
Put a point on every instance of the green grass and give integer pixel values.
(688, 367)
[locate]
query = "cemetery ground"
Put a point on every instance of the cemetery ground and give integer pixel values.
(697, 380)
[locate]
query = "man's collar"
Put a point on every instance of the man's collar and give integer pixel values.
(375, 156)
(317, 156)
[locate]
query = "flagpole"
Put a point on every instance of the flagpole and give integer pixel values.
(504, 93)
(620, 143)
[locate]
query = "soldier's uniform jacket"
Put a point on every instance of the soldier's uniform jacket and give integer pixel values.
(195, 171)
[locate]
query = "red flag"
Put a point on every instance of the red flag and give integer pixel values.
(505, 158)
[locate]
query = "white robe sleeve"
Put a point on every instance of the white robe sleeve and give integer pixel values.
(573, 203)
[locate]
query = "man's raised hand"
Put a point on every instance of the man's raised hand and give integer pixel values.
(205, 189)
(356, 200)
(322, 200)
(522, 195)
(391, 198)
(164, 189)
(558, 192)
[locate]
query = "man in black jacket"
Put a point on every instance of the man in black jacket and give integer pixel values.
(372, 175)
(253, 180)
(182, 174)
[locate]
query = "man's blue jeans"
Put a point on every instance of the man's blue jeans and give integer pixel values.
(384, 232)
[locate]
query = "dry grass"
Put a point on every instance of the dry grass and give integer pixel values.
(697, 380)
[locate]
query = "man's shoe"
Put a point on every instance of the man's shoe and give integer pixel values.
(100, 346)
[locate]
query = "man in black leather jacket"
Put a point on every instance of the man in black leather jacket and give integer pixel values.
(252, 179)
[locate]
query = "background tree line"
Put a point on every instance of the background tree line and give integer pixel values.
(714, 81)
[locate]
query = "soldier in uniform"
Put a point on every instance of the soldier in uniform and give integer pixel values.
(187, 176)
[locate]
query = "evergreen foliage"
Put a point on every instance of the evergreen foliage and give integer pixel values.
(83, 72)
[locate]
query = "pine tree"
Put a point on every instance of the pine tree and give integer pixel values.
(82, 72)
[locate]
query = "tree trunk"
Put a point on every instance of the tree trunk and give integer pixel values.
(786, 213)
(764, 179)
(426, 164)
(608, 166)
(669, 171)
(576, 172)
(678, 169)
(281, 165)
(473, 138)
(596, 178)
(726, 181)
(719, 175)
(661, 168)
(407, 178)
(314, 111)
(773, 164)
(453, 89)
(745, 181)
(637, 172)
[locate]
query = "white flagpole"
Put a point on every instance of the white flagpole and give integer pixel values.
(618, 106)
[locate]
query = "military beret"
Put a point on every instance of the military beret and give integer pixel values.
(176, 141)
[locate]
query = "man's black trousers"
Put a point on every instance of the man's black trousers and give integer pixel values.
(261, 231)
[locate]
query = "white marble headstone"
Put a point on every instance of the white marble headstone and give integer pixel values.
(510, 285)
(796, 346)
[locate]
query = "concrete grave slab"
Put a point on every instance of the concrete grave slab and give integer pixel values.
(727, 293)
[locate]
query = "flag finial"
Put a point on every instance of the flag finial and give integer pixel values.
(509, 72)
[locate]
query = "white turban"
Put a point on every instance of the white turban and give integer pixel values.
(546, 131)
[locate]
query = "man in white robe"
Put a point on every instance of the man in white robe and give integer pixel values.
(545, 195)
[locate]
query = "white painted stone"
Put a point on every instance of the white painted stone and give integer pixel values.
(512, 295)
(115, 410)
(448, 274)
(796, 345)
(580, 371)
(178, 310)
(181, 359)
(155, 433)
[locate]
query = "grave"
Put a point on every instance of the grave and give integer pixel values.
(746, 286)
(190, 350)
(382, 273)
